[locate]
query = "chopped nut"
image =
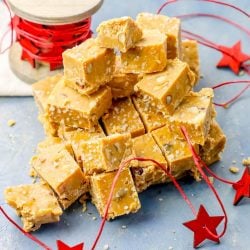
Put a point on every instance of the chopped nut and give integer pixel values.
(11, 123)
(234, 170)
(246, 161)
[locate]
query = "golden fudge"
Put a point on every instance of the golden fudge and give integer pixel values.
(58, 168)
(147, 173)
(125, 198)
(104, 154)
(149, 55)
(76, 110)
(50, 127)
(152, 113)
(170, 86)
(171, 27)
(87, 66)
(190, 55)
(118, 33)
(122, 118)
(214, 144)
(195, 113)
(36, 204)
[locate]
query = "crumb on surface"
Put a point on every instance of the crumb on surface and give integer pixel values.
(106, 247)
(11, 122)
(211, 179)
(246, 161)
(234, 169)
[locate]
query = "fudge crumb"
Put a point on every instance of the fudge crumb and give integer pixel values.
(234, 162)
(241, 73)
(94, 218)
(124, 226)
(11, 123)
(84, 207)
(234, 170)
(160, 199)
(170, 248)
(246, 161)
(211, 179)
(106, 247)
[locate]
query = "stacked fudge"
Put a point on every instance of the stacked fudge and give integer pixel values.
(123, 94)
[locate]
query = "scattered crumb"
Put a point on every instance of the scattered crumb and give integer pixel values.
(241, 73)
(11, 123)
(246, 161)
(160, 199)
(84, 207)
(234, 170)
(124, 226)
(94, 218)
(170, 248)
(106, 247)
(234, 162)
(192, 194)
(211, 179)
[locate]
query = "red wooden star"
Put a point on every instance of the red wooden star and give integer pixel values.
(242, 187)
(233, 57)
(199, 225)
(63, 246)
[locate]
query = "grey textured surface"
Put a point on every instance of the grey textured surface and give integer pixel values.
(158, 225)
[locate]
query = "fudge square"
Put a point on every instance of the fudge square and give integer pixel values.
(122, 118)
(118, 33)
(175, 150)
(57, 167)
(76, 110)
(104, 154)
(147, 173)
(88, 66)
(195, 113)
(170, 86)
(214, 144)
(148, 55)
(125, 198)
(36, 204)
(190, 55)
(171, 27)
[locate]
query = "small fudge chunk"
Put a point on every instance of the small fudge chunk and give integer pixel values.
(190, 55)
(122, 118)
(125, 198)
(171, 27)
(147, 173)
(170, 86)
(149, 55)
(118, 33)
(36, 204)
(152, 113)
(195, 113)
(76, 110)
(122, 84)
(175, 150)
(87, 66)
(58, 168)
(104, 154)
(214, 144)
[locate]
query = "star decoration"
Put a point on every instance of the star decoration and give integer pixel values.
(62, 246)
(242, 187)
(233, 57)
(199, 225)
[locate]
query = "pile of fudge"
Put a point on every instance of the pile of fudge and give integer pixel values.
(124, 94)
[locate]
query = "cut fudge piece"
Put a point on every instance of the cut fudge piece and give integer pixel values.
(153, 114)
(149, 55)
(118, 33)
(147, 173)
(175, 150)
(76, 110)
(122, 118)
(87, 66)
(171, 27)
(50, 127)
(34, 203)
(170, 86)
(190, 55)
(214, 144)
(104, 154)
(57, 167)
(195, 113)
(125, 198)
(122, 84)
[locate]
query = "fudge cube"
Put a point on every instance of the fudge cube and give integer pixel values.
(118, 33)
(104, 154)
(149, 55)
(76, 110)
(152, 113)
(50, 127)
(57, 167)
(190, 55)
(171, 27)
(122, 118)
(36, 204)
(170, 86)
(214, 144)
(87, 66)
(175, 150)
(125, 198)
(147, 173)
(195, 113)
